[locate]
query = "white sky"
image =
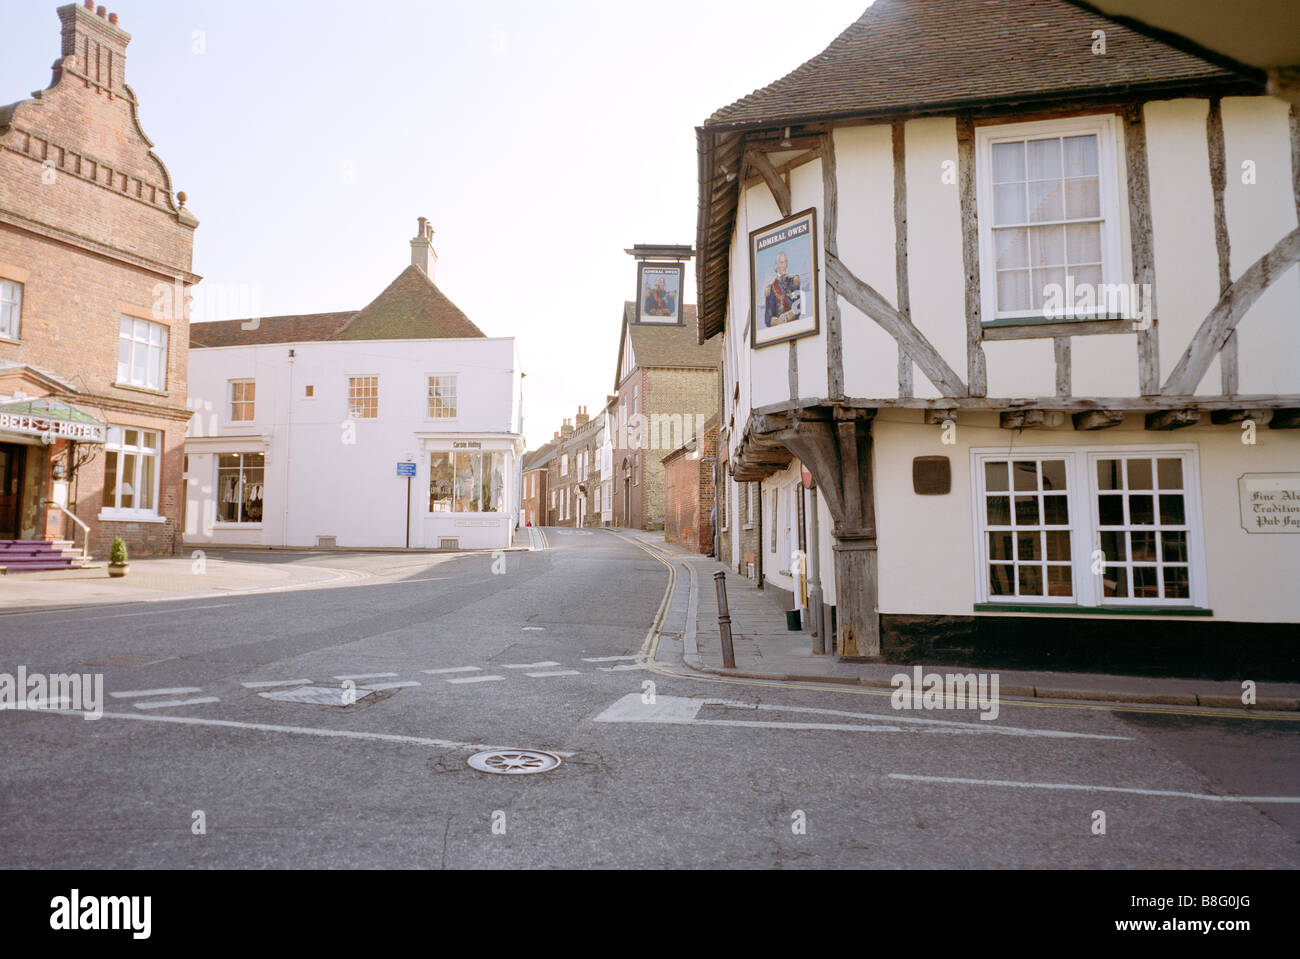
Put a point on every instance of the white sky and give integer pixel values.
(540, 139)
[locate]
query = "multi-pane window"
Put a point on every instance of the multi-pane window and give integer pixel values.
(1049, 218)
(1089, 527)
(11, 308)
(241, 479)
(1027, 522)
(749, 505)
(243, 394)
(131, 458)
(363, 397)
(1142, 522)
(142, 353)
(564, 464)
(442, 397)
(467, 481)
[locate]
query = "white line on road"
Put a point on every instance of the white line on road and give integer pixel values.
(623, 668)
(298, 730)
(528, 665)
(1104, 789)
(534, 629)
(152, 612)
(378, 686)
(168, 703)
(454, 669)
(682, 711)
(368, 676)
(558, 672)
(475, 679)
(610, 659)
(272, 683)
(136, 694)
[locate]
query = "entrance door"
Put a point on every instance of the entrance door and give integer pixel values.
(12, 457)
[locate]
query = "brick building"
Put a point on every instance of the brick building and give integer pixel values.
(95, 272)
(573, 480)
(535, 495)
(688, 490)
(667, 387)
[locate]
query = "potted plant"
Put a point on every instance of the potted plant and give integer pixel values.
(117, 564)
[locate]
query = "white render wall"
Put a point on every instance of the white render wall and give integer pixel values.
(327, 475)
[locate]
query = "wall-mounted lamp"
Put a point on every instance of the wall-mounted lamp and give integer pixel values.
(60, 471)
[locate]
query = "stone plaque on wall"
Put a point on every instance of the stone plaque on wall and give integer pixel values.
(1270, 502)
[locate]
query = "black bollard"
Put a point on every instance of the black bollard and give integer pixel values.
(724, 621)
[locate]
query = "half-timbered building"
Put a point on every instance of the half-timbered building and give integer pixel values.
(1040, 356)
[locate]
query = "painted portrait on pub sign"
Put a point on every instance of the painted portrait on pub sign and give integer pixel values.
(783, 280)
(659, 297)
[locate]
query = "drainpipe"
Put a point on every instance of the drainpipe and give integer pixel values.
(288, 439)
(814, 574)
(759, 551)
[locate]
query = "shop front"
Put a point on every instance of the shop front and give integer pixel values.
(473, 499)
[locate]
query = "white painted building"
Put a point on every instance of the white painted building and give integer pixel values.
(1001, 460)
(302, 423)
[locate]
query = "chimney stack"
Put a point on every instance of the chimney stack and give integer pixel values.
(582, 418)
(422, 253)
(96, 44)
(566, 430)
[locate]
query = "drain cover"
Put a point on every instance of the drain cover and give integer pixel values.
(514, 762)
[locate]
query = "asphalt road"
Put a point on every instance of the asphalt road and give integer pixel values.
(544, 654)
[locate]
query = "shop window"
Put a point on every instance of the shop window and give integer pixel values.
(467, 481)
(241, 479)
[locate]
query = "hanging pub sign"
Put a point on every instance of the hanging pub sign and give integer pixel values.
(659, 293)
(783, 280)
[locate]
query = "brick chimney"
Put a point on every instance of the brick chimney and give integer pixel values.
(582, 418)
(92, 37)
(422, 253)
(566, 430)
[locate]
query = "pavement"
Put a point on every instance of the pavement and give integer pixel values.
(766, 649)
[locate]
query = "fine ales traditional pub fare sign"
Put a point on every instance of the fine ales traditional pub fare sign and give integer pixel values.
(1270, 502)
(783, 280)
(659, 293)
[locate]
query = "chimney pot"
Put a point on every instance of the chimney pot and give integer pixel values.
(101, 11)
(89, 4)
(112, 18)
(422, 253)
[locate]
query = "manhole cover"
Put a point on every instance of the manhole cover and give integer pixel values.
(514, 762)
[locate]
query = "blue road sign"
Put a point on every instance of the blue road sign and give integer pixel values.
(405, 469)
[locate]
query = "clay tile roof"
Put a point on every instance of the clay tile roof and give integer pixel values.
(412, 308)
(905, 55)
(269, 329)
(669, 346)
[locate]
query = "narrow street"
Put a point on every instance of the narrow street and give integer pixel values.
(552, 652)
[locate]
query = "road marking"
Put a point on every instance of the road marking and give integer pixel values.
(534, 629)
(558, 672)
(168, 703)
(619, 669)
(379, 686)
(475, 679)
(152, 612)
(368, 676)
(1104, 789)
(272, 683)
(136, 694)
(296, 730)
(682, 711)
(609, 659)
(529, 665)
(454, 669)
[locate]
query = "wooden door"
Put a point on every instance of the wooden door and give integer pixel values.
(12, 457)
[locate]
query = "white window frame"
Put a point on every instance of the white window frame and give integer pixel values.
(353, 379)
(455, 396)
(564, 464)
(116, 443)
(124, 371)
(11, 309)
(1085, 540)
(750, 489)
(231, 402)
(1110, 177)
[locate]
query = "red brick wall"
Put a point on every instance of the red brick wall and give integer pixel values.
(689, 496)
(89, 226)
